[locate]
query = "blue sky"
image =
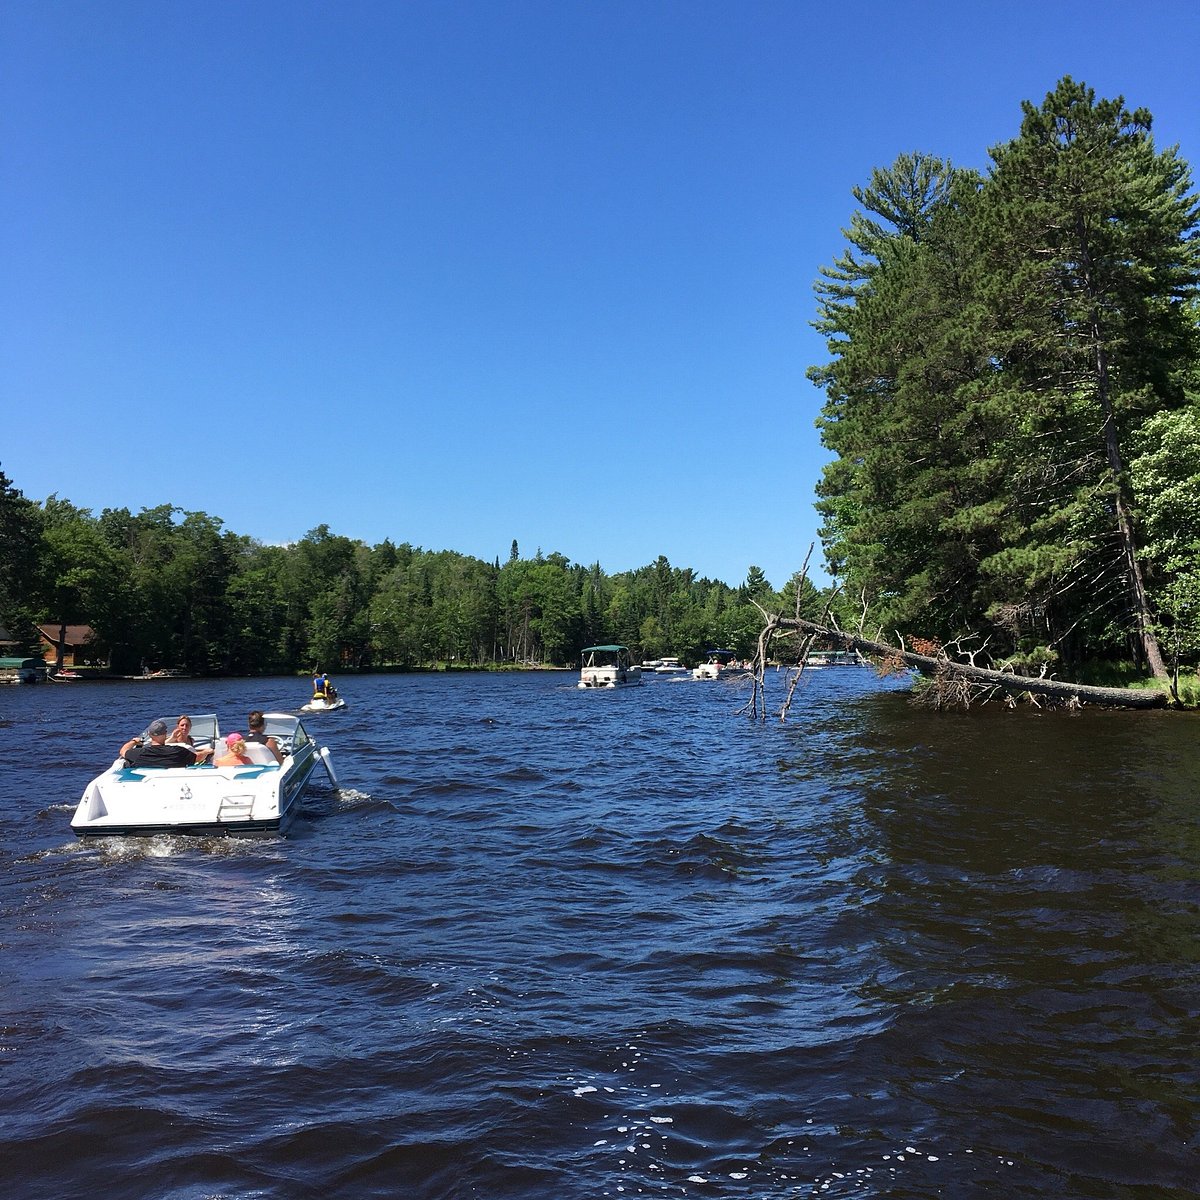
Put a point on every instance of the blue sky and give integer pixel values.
(458, 273)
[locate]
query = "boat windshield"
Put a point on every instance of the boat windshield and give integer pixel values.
(287, 730)
(204, 728)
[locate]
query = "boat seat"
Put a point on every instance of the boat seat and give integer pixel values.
(136, 774)
(249, 770)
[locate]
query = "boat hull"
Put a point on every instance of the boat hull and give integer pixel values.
(244, 829)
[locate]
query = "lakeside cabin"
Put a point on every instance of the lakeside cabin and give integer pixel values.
(74, 642)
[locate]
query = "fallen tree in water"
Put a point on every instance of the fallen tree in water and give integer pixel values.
(951, 682)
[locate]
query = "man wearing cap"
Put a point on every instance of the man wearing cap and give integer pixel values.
(158, 753)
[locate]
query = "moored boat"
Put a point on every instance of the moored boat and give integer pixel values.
(254, 798)
(22, 670)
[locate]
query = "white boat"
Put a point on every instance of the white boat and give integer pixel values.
(834, 658)
(321, 704)
(608, 667)
(670, 666)
(716, 662)
(205, 799)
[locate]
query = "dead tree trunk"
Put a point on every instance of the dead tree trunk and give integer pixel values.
(982, 680)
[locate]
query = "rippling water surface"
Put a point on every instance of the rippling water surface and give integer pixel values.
(552, 943)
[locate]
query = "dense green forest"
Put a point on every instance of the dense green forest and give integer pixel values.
(1012, 395)
(165, 588)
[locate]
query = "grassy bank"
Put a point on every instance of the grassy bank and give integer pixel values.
(1126, 675)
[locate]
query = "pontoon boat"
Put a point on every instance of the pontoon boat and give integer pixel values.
(608, 667)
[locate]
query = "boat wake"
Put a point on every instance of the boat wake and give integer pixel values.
(348, 798)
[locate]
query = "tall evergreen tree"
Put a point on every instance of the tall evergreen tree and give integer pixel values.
(1090, 232)
(891, 416)
(897, 205)
(995, 345)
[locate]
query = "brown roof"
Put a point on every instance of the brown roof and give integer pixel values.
(77, 635)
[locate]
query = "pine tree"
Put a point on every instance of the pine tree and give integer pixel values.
(995, 345)
(1088, 230)
(891, 416)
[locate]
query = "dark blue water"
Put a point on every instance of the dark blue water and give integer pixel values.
(551, 943)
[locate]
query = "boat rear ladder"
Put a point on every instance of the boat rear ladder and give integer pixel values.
(235, 808)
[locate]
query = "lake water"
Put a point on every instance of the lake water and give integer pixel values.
(547, 943)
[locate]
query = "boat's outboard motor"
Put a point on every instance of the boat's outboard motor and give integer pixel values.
(327, 760)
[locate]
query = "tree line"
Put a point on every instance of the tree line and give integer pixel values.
(165, 588)
(1012, 398)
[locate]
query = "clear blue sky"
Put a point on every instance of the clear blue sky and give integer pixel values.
(458, 273)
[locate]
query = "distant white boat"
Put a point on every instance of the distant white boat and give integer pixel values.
(715, 662)
(834, 658)
(608, 667)
(321, 704)
(670, 666)
(205, 799)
